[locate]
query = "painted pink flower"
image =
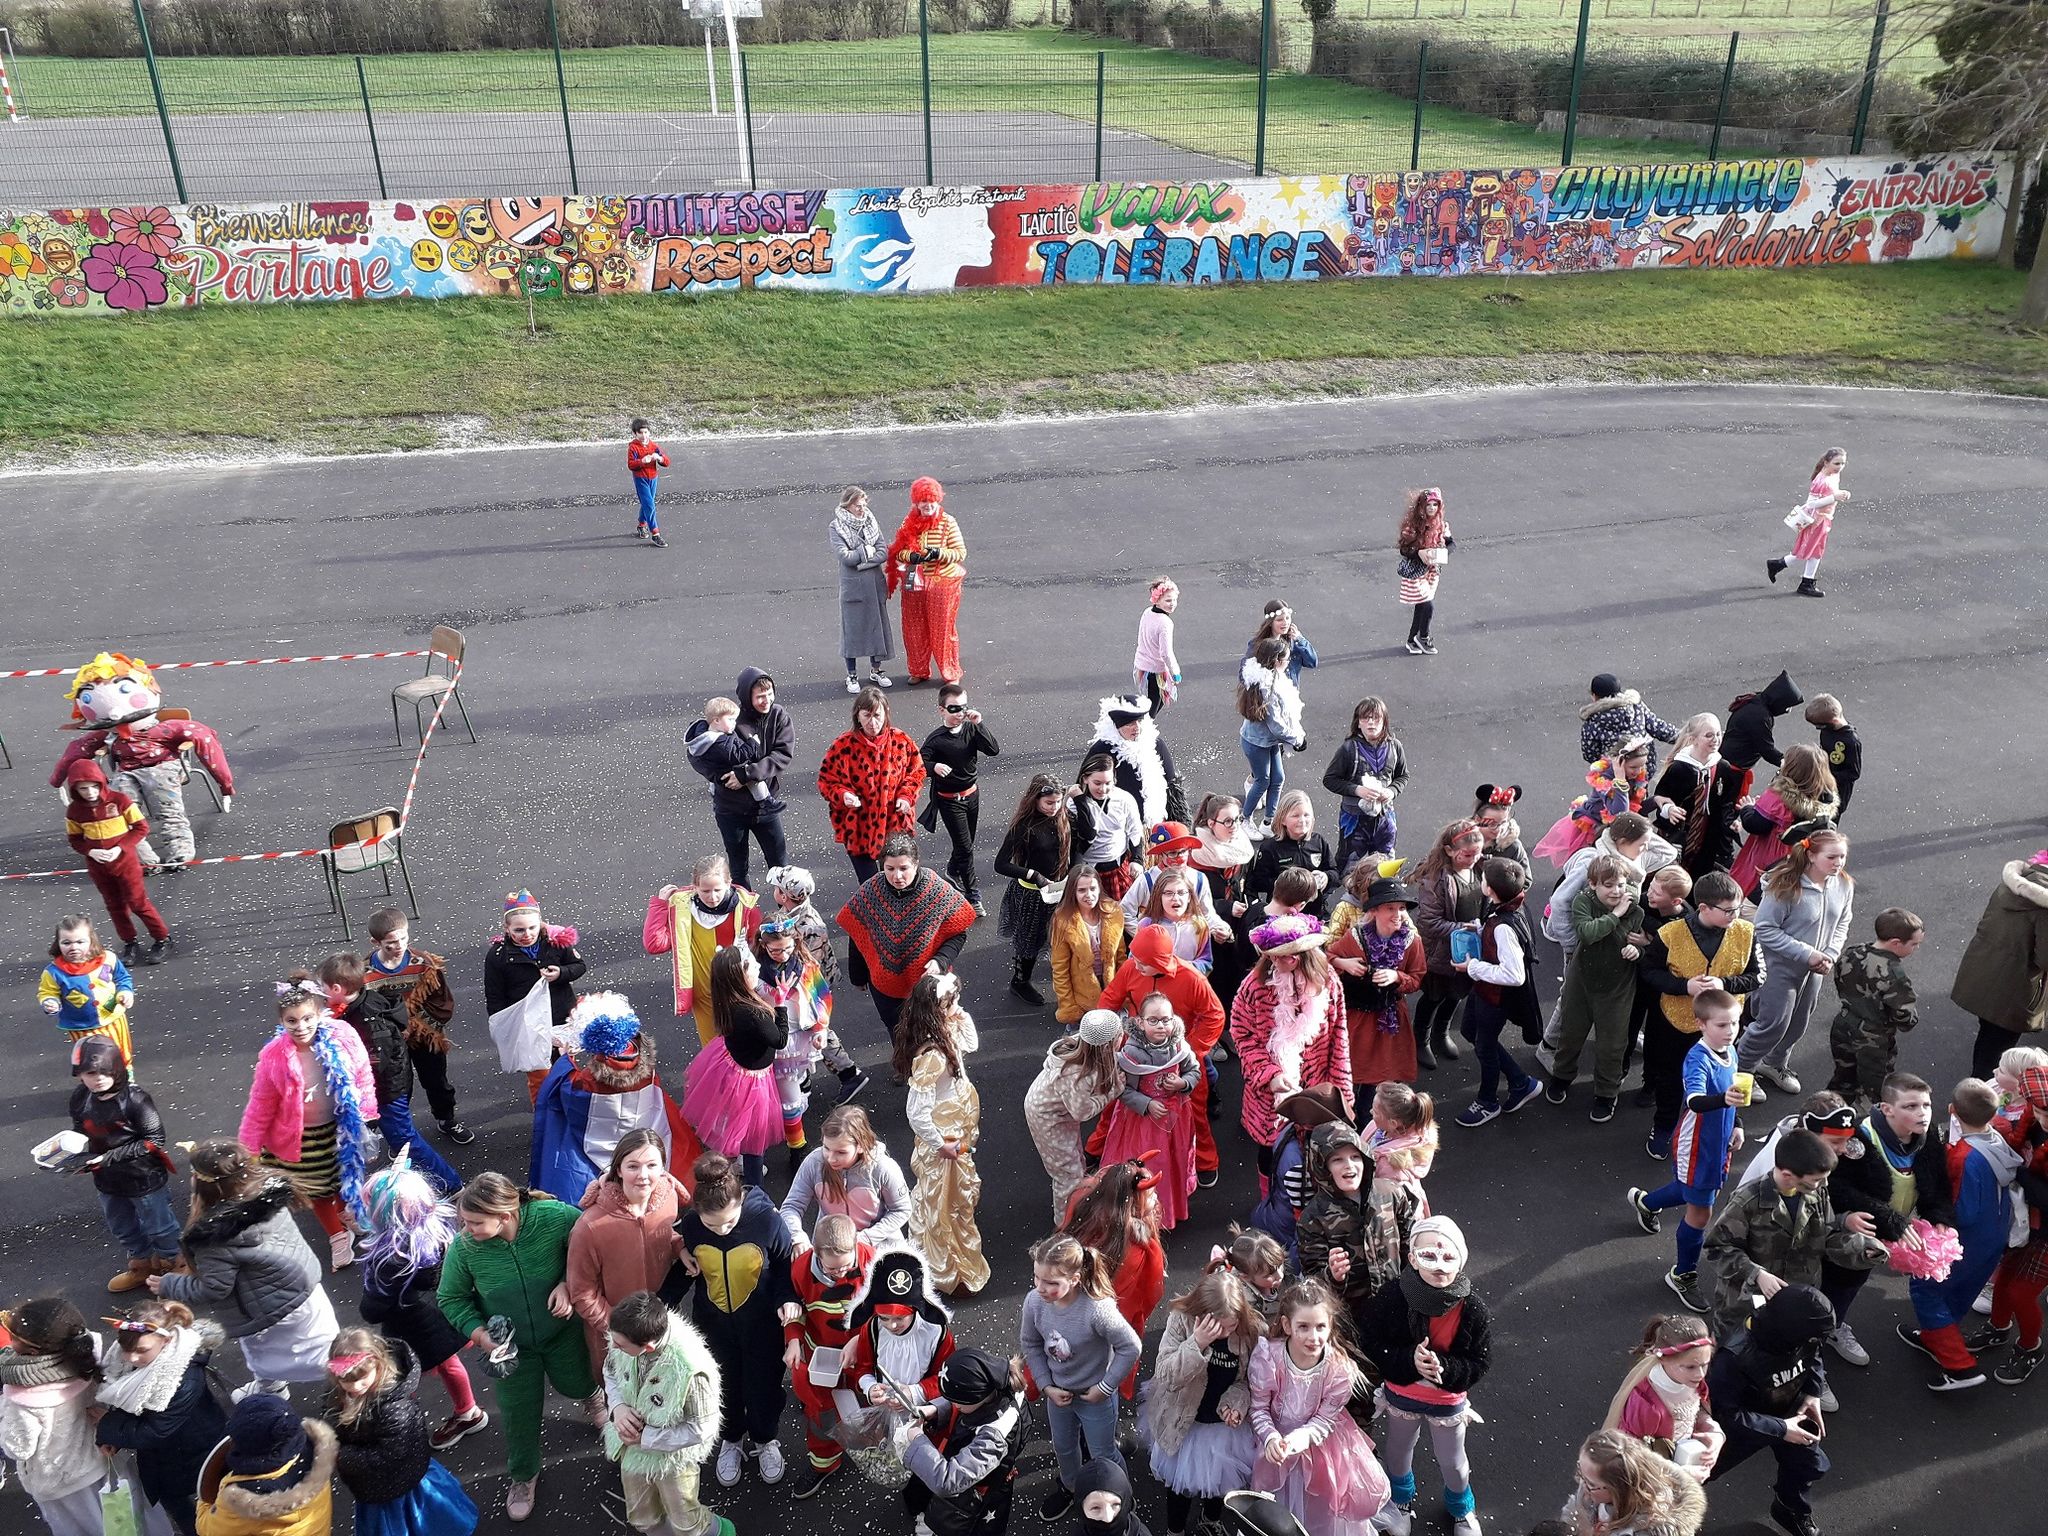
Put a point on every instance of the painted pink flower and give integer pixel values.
(126, 275)
(152, 229)
(69, 292)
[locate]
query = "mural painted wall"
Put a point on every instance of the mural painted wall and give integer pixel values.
(1595, 218)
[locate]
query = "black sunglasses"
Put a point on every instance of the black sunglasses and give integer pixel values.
(954, 709)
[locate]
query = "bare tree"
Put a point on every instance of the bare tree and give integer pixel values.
(1991, 92)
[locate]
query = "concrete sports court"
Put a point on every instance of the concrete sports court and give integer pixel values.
(64, 162)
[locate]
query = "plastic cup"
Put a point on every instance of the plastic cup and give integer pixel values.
(1745, 1084)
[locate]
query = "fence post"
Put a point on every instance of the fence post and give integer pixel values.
(163, 113)
(1721, 109)
(1870, 69)
(1571, 111)
(1265, 74)
(1101, 63)
(14, 67)
(747, 106)
(370, 122)
(924, 57)
(1421, 75)
(562, 90)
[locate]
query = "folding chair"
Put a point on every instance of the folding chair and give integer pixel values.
(349, 851)
(188, 759)
(446, 646)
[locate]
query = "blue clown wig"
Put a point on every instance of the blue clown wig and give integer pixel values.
(604, 1024)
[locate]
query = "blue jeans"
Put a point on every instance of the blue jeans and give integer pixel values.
(1485, 1021)
(644, 489)
(397, 1128)
(143, 1224)
(1082, 1433)
(1268, 775)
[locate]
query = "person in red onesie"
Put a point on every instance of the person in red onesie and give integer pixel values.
(105, 826)
(928, 563)
(1153, 967)
(816, 1330)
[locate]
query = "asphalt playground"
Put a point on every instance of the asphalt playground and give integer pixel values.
(249, 157)
(1613, 529)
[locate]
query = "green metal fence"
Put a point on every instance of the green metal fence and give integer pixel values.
(983, 108)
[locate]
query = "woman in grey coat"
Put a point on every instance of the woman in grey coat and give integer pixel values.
(863, 588)
(2002, 973)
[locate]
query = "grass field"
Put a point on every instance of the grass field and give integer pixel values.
(1207, 105)
(339, 377)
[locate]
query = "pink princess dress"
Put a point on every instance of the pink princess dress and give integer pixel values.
(1157, 1074)
(1336, 1486)
(1820, 505)
(1591, 814)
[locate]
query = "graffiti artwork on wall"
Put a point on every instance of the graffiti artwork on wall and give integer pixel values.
(1533, 221)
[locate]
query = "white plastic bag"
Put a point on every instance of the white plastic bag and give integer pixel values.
(523, 1033)
(1798, 518)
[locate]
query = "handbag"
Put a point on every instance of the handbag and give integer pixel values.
(1410, 568)
(2037, 1004)
(1798, 518)
(117, 1507)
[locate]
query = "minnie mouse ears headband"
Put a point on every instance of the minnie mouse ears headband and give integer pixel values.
(1497, 794)
(306, 988)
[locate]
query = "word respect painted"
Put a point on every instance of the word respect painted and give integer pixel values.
(678, 264)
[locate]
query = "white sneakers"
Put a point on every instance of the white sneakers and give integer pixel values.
(728, 1469)
(341, 1250)
(770, 1459)
(1781, 1077)
(1844, 1343)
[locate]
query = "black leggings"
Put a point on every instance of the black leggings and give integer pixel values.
(1179, 1506)
(1440, 998)
(1418, 625)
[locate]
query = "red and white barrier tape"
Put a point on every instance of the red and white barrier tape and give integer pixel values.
(253, 661)
(404, 813)
(7, 94)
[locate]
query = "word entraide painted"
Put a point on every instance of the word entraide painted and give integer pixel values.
(1513, 222)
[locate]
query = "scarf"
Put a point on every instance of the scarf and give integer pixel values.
(19, 1370)
(1372, 759)
(1605, 779)
(1219, 855)
(1297, 1017)
(860, 537)
(1680, 1401)
(712, 917)
(150, 1388)
(1383, 952)
(898, 933)
(1800, 805)
(1430, 1300)
(348, 1112)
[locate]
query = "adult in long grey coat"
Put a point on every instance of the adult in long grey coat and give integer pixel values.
(2001, 974)
(863, 588)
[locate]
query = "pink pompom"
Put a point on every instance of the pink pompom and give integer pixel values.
(1939, 1251)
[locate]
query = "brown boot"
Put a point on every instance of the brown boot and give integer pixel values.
(168, 1267)
(132, 1278)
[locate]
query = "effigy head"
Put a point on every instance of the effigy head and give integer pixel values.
(113, 689)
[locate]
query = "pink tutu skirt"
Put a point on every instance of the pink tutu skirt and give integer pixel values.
(1333, 1490)
(734, 1112)
(1567, 835)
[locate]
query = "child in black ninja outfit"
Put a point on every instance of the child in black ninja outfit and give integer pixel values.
(963, 1454)
(1765, 1384)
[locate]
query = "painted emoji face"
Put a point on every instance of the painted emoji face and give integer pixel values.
(475, 221)
(581, 277)
(578, 211)
(441, 221)
(617, 271)
(598, 241)
(501, 262)
(426, 255)
(59, 256)
(541, 277)
(611, 210)
(463, 255)
(527, 220)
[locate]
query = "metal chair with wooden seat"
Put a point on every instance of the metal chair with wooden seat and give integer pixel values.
(446, 646)
(188, 759)
(370, 841)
